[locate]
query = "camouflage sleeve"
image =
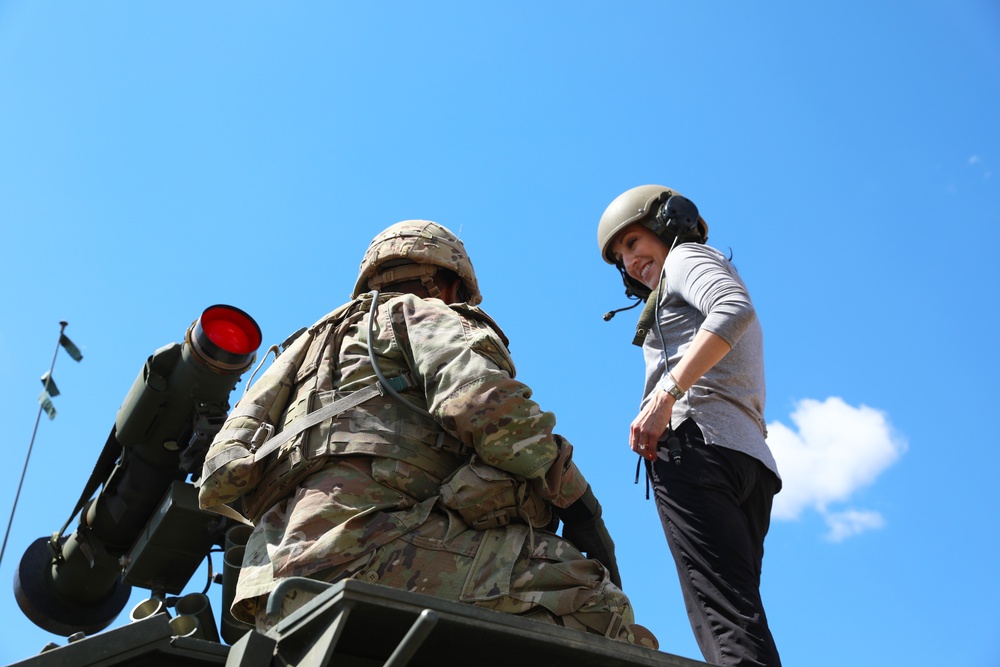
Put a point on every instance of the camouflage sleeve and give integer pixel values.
(468, 377)
(229, 469)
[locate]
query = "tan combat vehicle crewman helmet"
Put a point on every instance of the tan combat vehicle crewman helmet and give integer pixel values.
(643, 205)
(640, 204)
(414, 249)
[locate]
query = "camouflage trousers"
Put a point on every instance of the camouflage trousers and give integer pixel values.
(509, 569)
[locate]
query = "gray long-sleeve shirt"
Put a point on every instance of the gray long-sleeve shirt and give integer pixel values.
(700, 288)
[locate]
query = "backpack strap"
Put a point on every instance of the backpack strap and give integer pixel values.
(327, 411)
(262, 444)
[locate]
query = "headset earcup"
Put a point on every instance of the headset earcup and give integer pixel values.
(677, 216)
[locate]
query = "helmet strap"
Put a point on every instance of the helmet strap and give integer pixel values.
(633, 288)
(430, 286)
(397, 274)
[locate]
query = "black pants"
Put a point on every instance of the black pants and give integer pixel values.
(716, 508)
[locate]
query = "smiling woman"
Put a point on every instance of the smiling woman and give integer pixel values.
(641, 253)
(700, 427)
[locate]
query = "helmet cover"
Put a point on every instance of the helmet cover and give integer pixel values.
(418, 242)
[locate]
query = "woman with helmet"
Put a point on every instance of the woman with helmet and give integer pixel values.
(700, 427)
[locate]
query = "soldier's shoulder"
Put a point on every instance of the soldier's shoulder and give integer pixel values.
(333, 316)
(478, 314)
(429, 309)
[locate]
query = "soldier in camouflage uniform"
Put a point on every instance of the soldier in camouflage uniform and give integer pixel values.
(448, 487)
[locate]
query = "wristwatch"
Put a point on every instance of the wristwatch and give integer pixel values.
(673, 389)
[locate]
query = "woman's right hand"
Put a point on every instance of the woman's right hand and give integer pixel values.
(648, 427)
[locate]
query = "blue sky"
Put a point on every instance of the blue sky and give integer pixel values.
(158, 158)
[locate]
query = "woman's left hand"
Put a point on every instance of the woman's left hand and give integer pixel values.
(649, 426)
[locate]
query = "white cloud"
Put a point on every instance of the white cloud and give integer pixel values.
(976, 160)
(836, 450)
(852, 522)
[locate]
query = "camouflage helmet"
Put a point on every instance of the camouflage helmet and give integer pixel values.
(392, 254)
(639, 204)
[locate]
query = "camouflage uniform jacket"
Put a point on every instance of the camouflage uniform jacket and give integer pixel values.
(384, 462)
